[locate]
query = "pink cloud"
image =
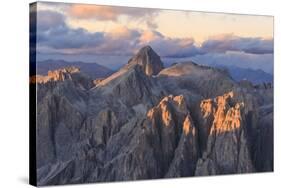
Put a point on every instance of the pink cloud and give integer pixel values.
(93, 11)
(98, 12)
(229, 42)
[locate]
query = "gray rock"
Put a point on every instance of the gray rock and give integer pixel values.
(149, 61)
(146, 122)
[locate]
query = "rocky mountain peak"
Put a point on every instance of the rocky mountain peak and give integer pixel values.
(148, 59)
(228, 116)
(55, 75)
(227, 146)
(226, 113)
(174, 132)
(69, 74)
(166, 105)
(60, 74)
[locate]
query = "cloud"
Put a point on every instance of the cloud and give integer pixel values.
(122, 32)
(151, 23)
(47, 19)
(242, 60)
(107, 12)
(149, 35)
(93, 11)
(169, 47)
(113, 13)
(230, 42)
(55, 36)
(72, 39)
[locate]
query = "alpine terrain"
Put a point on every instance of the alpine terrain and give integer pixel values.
(147, 122)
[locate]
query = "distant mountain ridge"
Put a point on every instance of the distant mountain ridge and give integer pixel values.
(93, 70)
(254, 76)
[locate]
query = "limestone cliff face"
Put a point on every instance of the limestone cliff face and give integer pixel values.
(162, 143)
(175, 135)
(187, 152)
(228, 150)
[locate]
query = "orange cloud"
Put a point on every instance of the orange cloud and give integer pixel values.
(120, 32)
(90, 11)
(100, 12)
(148, 36)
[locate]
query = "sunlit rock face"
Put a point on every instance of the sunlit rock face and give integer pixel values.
(227, 146)
(175, 135)
(71, 75)
(56, 75)
(145, 121)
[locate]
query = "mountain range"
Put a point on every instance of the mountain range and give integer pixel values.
(145, 121)
(255, 76)
(93, 70)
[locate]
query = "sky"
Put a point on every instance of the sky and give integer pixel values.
(84, 32)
